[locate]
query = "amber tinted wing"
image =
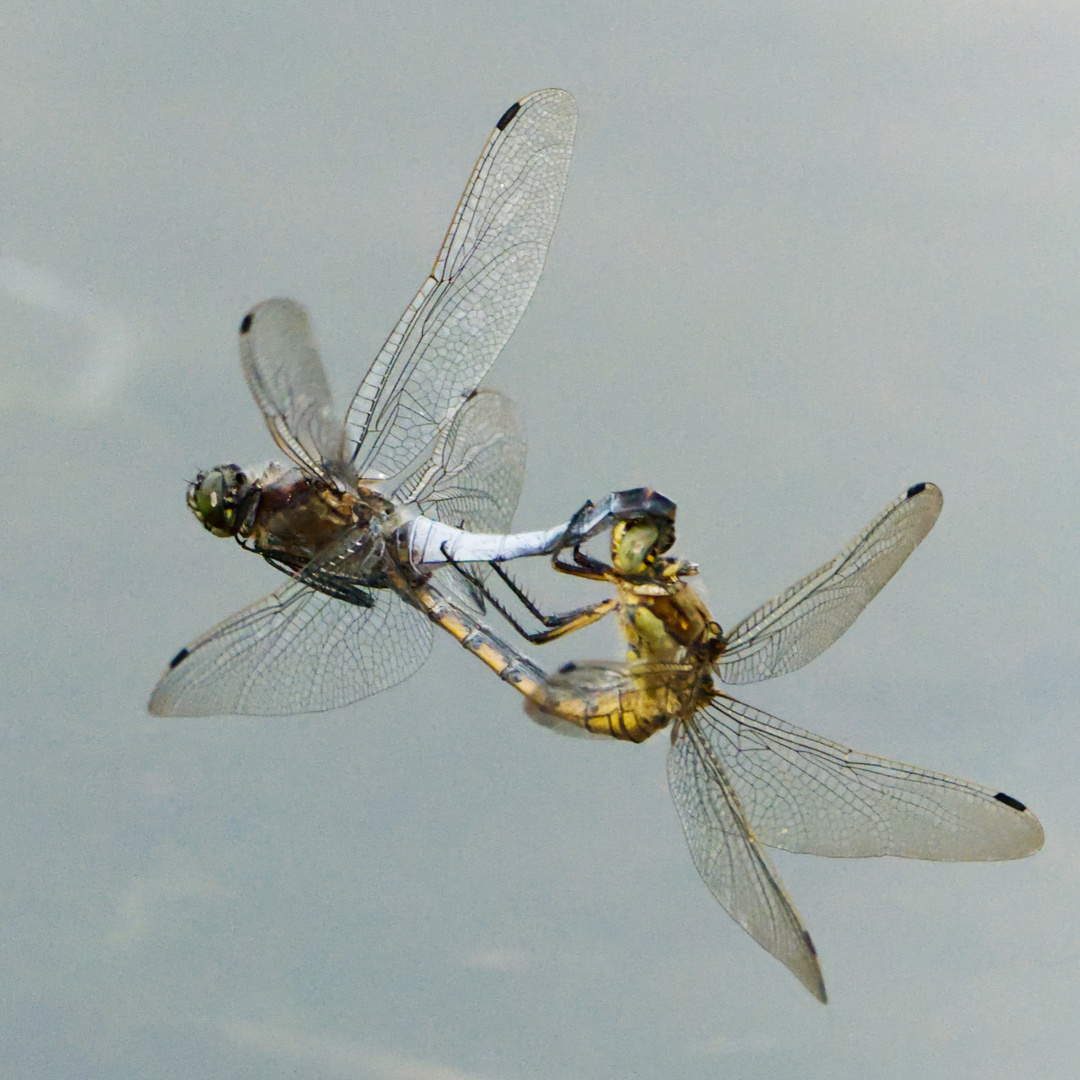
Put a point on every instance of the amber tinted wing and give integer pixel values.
(285, 373)
(804, 620)
(805, 793)
(478, 289)
(294, 651)
(730, 859)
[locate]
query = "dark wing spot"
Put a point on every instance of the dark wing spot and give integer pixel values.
(245, 326)
(568, 666)
(508, 116)
(916, 489)
(182, 655)
(1008, 800)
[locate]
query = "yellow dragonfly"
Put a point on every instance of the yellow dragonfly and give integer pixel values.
(743, 780)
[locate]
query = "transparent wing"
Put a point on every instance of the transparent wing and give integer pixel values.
(473, 480)
(285, 373)
(478, 290)
(804, 793)
(296, 650)
(732, 862)
(803, 621)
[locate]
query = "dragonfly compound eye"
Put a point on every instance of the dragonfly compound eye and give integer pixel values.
(634, 544)
(215, 499)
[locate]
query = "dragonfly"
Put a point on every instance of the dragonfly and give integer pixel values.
(425, 466)
(742, 780)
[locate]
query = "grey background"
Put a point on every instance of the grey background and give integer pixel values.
(810, 254)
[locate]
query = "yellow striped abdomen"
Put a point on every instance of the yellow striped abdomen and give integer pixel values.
(620, 701)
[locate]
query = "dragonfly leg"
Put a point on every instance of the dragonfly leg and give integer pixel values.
(529, 604)
(558, 624)
(583, 566)
(576, 620)
(555, 625)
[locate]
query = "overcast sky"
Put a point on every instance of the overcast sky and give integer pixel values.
(810, 254)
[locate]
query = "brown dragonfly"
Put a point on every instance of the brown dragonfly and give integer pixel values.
(424, 463)
(743, 780)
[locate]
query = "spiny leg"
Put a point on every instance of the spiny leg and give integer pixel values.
(556, 625)
(583, 566)
(529, 604)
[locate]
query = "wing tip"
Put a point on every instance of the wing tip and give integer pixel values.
(922, 487)
(160, 704)
(507, 116)
(1032, 837)
(156, 706)
(811, 977)
(1009, 801)
(566, 101)
(929, 505)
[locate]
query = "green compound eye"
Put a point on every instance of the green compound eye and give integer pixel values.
(633, 545)
(214, 496)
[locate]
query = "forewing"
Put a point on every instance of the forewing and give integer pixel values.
(804, 793)
(803, 621)
(285, 373)
(478, 289)
(294, 651)
(732, 862)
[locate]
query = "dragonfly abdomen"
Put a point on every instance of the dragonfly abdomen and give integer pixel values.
(517, 670)
(603, 698)
(598, 698)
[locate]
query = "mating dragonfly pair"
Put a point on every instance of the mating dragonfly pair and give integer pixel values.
(387, 523)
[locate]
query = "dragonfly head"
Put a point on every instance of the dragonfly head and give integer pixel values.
(222, 499)
(636, 544)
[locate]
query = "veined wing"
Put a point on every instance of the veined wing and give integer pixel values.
(283, 368)
(478, 289)
(473, 479)
(804, 793)
(730, 859)
(804, 620)
(294, 651)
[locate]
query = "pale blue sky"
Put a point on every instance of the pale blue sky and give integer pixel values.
(810, 254)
